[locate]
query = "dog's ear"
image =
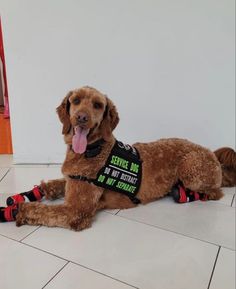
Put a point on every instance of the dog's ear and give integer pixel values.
(110, 120)
(63, 111)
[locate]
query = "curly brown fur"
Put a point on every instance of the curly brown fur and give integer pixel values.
(53, 189)
(227, 158)
(164, 162)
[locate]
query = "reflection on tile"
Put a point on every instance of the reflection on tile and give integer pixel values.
(31, 166)
(22, 179)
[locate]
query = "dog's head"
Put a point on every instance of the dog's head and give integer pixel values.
(87, 115)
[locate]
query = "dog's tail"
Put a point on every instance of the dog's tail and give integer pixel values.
(227, 159)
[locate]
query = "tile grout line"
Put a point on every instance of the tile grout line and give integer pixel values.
(232, 200)
(163, 229)
(78, 264)
(56, 274)
(69, 261)
(153, 226)
(5, 174)
(44, 251)
(21, 241)
(214, 266)
(9, 238)
(219, 203)
(36, 248)
(168, 230)
(29, 234)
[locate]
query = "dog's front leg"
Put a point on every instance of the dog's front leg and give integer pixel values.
(86, 197)
(76, 214)
(40, 214)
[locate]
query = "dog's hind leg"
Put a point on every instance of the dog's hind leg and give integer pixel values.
(53, 189)
(200, 171)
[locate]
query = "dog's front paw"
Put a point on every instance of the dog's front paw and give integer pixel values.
(80, 222)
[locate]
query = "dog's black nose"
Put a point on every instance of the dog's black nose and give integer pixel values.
(82, 117)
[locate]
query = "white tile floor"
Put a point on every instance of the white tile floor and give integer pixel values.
(162, 245)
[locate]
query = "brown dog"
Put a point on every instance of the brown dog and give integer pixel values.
(88, 119)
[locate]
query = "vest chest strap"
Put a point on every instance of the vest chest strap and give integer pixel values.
(121, 173)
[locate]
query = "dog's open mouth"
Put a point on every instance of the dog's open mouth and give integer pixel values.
(79, 141)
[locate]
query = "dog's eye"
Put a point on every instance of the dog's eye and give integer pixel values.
(76, 101)
(98, 105)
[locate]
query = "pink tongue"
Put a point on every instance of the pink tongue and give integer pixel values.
(79, 141)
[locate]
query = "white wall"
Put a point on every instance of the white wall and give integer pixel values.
(168, 65)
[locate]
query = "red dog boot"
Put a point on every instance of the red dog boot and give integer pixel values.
(8, 214)
(31, 196)
(182, 195)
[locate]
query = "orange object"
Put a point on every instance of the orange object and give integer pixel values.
(4, 74)
(5, 127)
(5, 136)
